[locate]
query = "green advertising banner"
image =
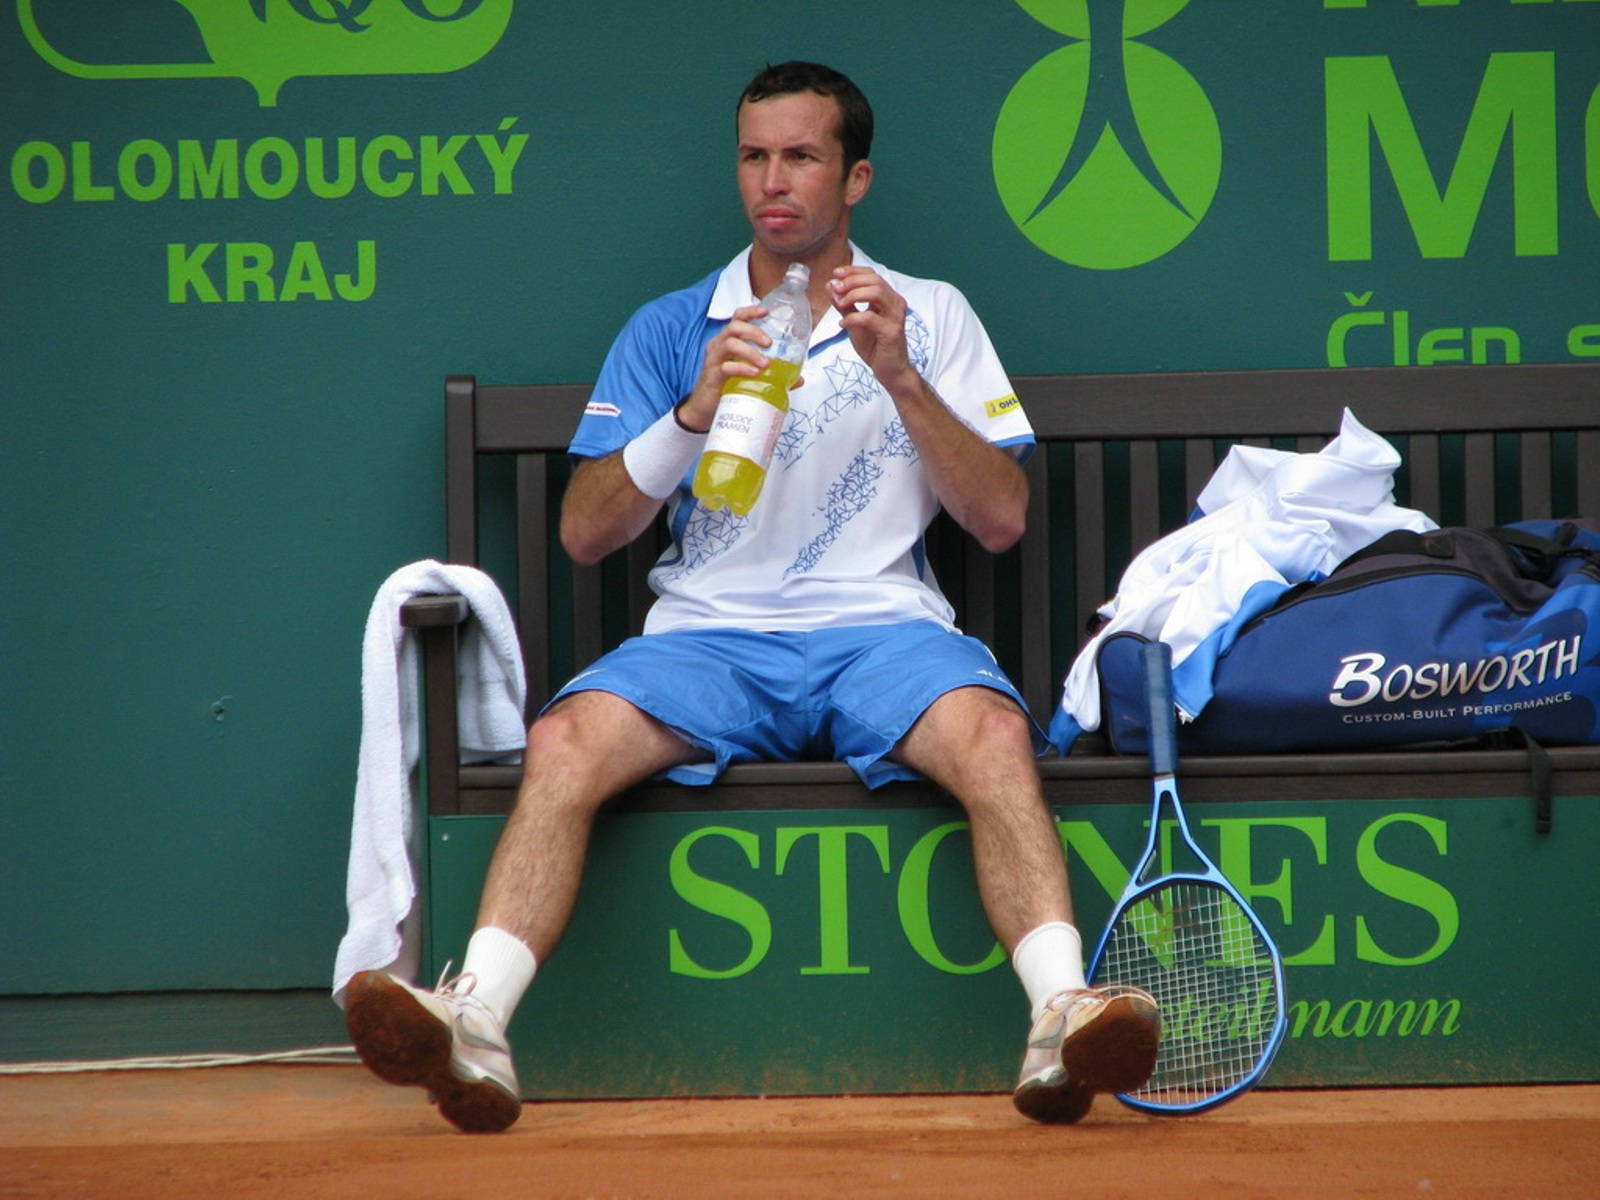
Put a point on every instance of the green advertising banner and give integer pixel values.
(1424, 941)
(243, 241)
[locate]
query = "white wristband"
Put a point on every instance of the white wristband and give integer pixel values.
(657, 459)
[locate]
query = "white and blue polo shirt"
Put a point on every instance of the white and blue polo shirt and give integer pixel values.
(836, 537)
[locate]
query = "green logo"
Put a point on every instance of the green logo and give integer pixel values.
(269, 42)
(1106, 153)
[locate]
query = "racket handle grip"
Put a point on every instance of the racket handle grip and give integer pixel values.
(1156, 658)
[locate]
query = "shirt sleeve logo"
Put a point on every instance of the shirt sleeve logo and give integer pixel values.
(999, 408)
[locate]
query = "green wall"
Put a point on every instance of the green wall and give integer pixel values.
(210, 459)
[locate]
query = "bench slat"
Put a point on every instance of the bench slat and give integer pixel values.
(1535, 470)
(533, 573)
(1309, 400)
(1037, 678)
(588, 631)
(1088, 526)
(1199, 463)
(461, 470)
(1477, 468)
(1588, 465)
(1144, 493)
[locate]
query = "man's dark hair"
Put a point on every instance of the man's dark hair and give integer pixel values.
(855, 114)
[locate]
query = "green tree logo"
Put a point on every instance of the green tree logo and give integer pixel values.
(1106, 153)
(269, 42)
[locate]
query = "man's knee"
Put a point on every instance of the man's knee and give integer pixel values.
(600, 742)
(557, 732)
(582, 727)
(968, 734)
(980, 718)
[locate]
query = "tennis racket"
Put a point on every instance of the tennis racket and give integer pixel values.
(1190, 940)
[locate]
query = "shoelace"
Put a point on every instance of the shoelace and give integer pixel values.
(460, 986)
(1065, 1002)
(472, 1024)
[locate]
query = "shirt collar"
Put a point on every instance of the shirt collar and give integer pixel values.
(733, 291)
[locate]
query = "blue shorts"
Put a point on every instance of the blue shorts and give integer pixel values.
(845, 694)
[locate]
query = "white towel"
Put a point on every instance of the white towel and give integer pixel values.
(1271, 518)
(380, 890)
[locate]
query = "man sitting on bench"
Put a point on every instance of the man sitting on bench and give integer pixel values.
(807, 629)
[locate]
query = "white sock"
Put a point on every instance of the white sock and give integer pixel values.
(1048, 960)
(502, 966)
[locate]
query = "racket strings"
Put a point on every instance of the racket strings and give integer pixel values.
(1194, 948)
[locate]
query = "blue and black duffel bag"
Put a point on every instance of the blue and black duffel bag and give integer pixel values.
(1418, 638)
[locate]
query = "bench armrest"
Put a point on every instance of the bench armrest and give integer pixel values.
(432, 612)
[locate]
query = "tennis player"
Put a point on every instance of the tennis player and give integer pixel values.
(810, 628)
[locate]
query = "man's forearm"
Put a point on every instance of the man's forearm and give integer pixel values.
(612, 500)
(982, 486)
(603, 509)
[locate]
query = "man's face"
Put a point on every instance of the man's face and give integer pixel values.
(797, 195)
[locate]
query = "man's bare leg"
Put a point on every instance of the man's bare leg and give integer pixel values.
(580, 754)
(451, 1041)
(977, 745)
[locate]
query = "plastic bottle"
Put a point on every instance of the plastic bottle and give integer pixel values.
(733, 465)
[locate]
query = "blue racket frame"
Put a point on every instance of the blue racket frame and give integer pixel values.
(1156, 661)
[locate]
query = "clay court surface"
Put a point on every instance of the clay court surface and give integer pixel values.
(307, 1132)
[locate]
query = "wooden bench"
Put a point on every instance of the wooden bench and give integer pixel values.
(768, 930)
(1120, 459)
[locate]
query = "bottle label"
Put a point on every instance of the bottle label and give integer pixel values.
(746, 427)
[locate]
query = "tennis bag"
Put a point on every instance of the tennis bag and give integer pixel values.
(1418, 638)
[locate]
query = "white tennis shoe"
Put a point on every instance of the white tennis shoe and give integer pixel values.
(445, 1041)
(1098, 1039)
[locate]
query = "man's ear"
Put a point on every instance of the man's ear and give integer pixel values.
(857, 181)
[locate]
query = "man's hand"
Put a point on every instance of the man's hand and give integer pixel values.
(738, 349)
(979, 485)
(874, 315)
